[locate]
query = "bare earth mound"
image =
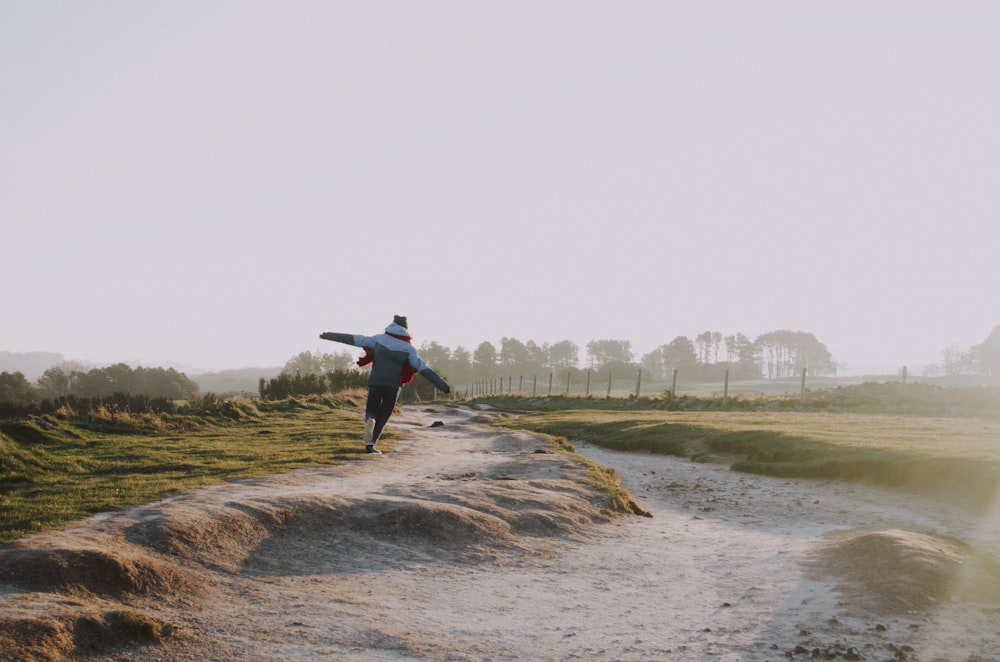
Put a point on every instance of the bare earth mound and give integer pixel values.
(467, 543)
(901, 572)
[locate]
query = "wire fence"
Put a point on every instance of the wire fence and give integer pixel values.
(586, 383)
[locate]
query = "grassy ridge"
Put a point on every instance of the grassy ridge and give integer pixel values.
(954, 457)
(53, 471)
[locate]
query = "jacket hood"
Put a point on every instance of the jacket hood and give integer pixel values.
(397, 330)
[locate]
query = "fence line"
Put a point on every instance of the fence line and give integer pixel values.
(505, 385)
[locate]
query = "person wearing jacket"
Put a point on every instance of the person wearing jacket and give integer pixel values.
(394, 362)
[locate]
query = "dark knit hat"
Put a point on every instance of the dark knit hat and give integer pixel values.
(400, 320)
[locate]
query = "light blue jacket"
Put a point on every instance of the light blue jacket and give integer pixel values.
(391, 354)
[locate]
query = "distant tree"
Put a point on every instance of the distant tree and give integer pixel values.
(15, 388)
(538, 356)
(461, 365)
(91, 382)
(484, 359)
(784, 353)
(704, 343)
(652, 364)
(514, 354)
(716, 342)
(679, 354)
(988, 354)
(121, 378)
(54, 383)
(739, 349)
(604, 353)
(303, 363)
(309, 363)
(564, 355)
(956, 361)
(170, 383)
(741, 357)
(338, 361)
(438, 357)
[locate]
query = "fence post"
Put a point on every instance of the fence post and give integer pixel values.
(802, 387)
(904, 375)
(550, 383)
(588, 382)
(569, 375)
(609, 382)
(534, 385)
(520, 383)
(673, 385)
(725, 389)
(638, 383)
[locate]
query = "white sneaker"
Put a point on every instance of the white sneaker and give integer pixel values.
(369, 431)
(371, 450)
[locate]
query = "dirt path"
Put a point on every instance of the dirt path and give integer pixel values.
(468, 544)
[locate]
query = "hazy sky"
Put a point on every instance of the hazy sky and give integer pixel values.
(214, 183)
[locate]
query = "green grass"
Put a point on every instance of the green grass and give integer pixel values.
(953, 457)
(53, 471)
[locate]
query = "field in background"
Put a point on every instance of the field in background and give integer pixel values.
(922, 438)
(576, 385)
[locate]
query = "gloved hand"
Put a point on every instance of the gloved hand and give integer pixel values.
(326, 335)
(447, 390)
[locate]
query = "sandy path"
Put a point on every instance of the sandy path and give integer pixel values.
(718, 573)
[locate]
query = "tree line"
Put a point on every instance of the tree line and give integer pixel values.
(99, 392)
(706, 358)
(981, 359)
(776, 354)
(62, 382)
(772, 355)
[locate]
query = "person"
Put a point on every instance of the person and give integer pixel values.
(394, 362)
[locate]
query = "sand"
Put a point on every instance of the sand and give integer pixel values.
(473, 543)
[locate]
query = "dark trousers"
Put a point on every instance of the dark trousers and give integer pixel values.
(381, 400)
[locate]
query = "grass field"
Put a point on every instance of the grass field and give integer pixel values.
(956, 457)
(928, 438)
(53, 471)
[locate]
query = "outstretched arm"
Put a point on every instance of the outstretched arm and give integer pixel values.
(427, 373)
(435, 379)
(346, 338)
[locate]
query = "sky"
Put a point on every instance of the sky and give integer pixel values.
(213, 183)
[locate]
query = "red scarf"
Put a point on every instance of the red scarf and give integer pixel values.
(405, 377)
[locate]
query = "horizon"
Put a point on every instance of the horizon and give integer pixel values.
(844, 369)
